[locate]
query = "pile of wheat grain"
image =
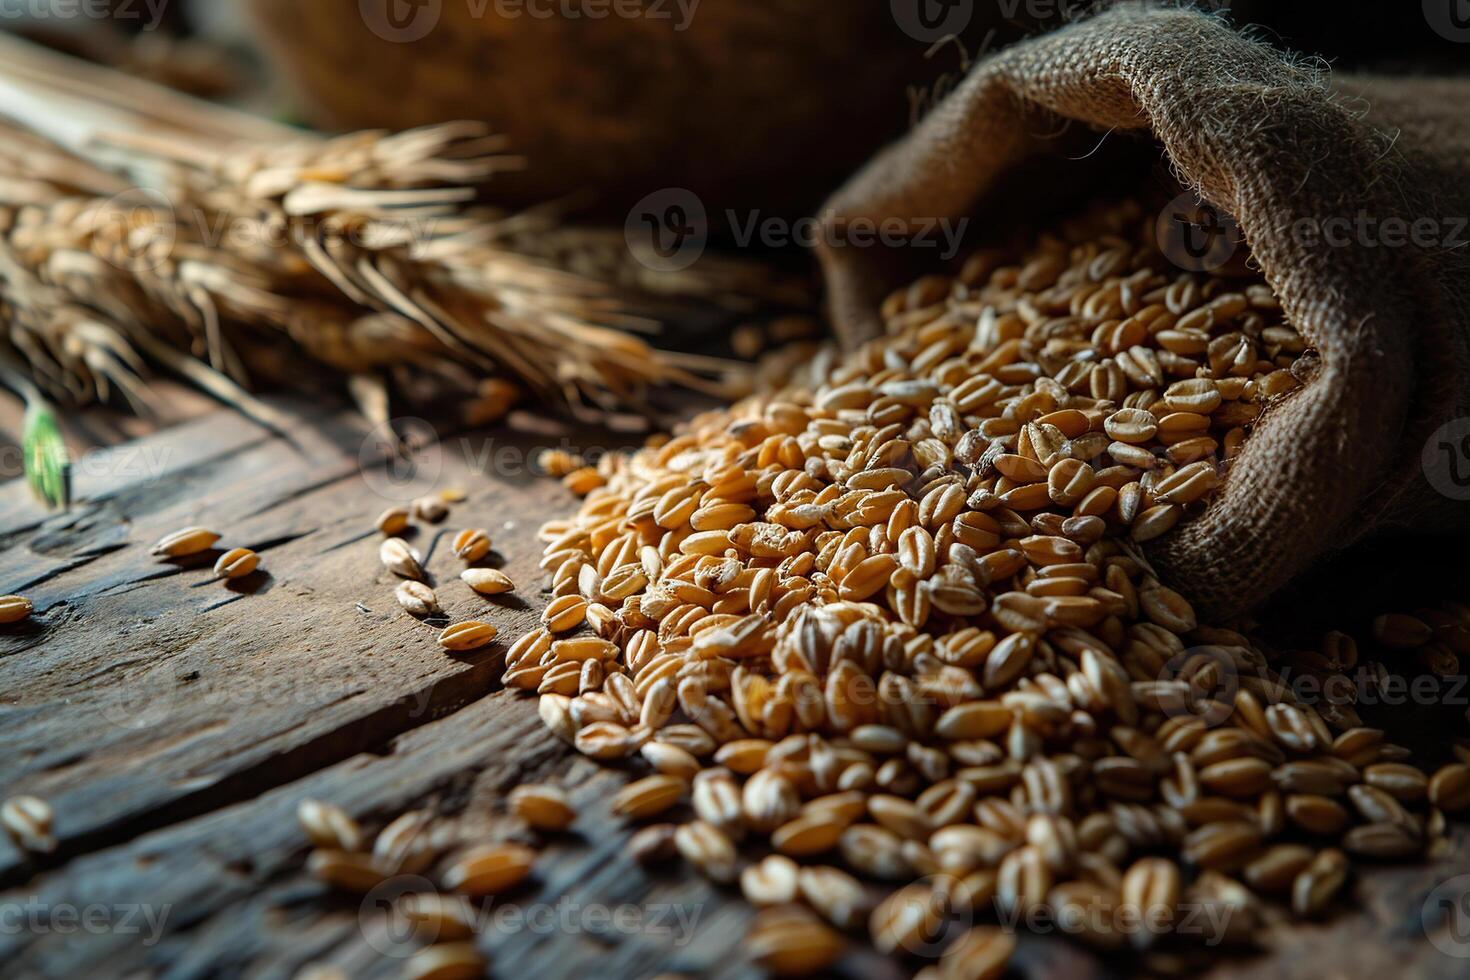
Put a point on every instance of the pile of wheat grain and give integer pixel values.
(889, 635)
(896, 617)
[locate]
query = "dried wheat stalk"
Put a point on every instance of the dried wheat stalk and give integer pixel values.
(370, 254)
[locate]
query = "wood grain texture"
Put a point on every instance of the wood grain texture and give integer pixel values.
(175, 723)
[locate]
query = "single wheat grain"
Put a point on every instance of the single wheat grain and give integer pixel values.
(446, 961)
(14, 608)
(393, 521)
(487, 581)
(471, 545)
(417, 599)
(467, 635)
(27, 819)
(188, 541)
(236, 563)
(489, 869)
(400, 559)
(542, 807)
(329, 827)
(431, 509)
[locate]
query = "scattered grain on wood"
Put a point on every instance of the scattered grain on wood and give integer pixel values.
(417, 599)
(329, 826)
(431, 509)
(487, 581)
(14, 608)
(28, 819)
(446, 961)
(542, 807)
(471, 545)
(236, 563)
(187, 541)
(791, 942)
(400, 559)
(393, 521)
(468, 635)
(489, 869)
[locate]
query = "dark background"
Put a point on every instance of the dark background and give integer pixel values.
(1377, 35)
(677, 97)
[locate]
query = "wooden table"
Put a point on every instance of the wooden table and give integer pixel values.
(175, 723)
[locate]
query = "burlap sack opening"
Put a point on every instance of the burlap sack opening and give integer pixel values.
(1273, 143)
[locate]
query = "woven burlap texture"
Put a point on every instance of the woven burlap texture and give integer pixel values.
(1274, 144)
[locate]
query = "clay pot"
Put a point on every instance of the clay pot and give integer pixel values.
(752, 105)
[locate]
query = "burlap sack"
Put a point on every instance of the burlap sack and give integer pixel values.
(1273, 144)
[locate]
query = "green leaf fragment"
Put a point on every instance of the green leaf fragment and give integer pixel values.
(47, 463)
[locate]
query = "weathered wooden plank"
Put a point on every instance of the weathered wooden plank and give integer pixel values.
(233, 886)
(230, 893)
(234, 900)
(142, 693)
